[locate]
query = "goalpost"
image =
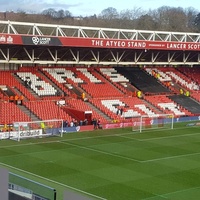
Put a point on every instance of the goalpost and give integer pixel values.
(34, 129)
(160, 121)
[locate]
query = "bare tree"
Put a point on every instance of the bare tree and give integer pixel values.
(50, 12)
(164, 18)
(132, 14)
(109, 13)
(146, 22)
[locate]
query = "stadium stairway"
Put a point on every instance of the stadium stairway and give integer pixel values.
(29, 113)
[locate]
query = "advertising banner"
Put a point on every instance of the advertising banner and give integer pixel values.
(37, 40)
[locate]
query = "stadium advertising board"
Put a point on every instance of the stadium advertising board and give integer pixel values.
(14, 39)
(23, 134)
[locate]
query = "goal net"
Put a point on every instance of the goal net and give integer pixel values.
(145, 122)
(37, 129)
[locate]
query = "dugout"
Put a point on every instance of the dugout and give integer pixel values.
(79, 114)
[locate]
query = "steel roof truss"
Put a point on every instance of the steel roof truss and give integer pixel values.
(11, 29)
(31, 57)
(96, 57)
(76, 58)
(170, 57)
(36, 30)
(185, 57)
(154, 56)
(3, 54)
(137, 57)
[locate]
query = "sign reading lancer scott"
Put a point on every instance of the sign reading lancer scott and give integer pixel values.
(41, 40)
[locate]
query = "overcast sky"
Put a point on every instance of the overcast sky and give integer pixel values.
(90, 7)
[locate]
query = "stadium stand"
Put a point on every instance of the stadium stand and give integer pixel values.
(106, 90)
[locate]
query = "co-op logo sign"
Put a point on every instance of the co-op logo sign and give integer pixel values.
(41, 40)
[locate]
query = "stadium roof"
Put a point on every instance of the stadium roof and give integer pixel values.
(34, 43)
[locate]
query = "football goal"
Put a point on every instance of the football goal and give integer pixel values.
(37, 129)
(145, 122)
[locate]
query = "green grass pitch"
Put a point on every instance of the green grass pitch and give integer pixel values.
(115, 164)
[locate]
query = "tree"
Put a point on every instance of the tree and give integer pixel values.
(190, 14)
(60, 14)
(171, 19)
(133, 14)
(197, 22)
(146, 22)
(68, 14)
(50, 12)
(109, 13)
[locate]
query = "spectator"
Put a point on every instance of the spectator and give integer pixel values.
(42, 125)
(118, 110)
(21, 98)
(85, 122)
(81, 122)
(16, 99)
(26, 83)
(72, 123)
(65, 123)
(121, 110)
(94, 121)
(99, 124)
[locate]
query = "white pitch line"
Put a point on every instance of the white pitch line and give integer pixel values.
(180, 191)
(49, 180)
(168, 137)
(167, 194)
(171, 157)
(100, 136)
(99, 151)
(72, 139)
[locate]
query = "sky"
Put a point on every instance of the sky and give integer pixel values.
(90, 7)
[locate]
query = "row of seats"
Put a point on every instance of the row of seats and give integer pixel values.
(40, 87)
(47, 109)
(172, 75)
(167, 105)
(10, 113)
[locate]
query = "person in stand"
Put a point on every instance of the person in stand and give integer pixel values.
(118, 111)
(99, 124)
(42, 125)
(83, 96)
(11, 98)
(16, 99)
(85, 122)
(121, 110)
(29, 83)
(72, 123)
(94, 121)
(21, 98)
(81, 122)
(75, 122)
(26, 83)
(65, 123)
